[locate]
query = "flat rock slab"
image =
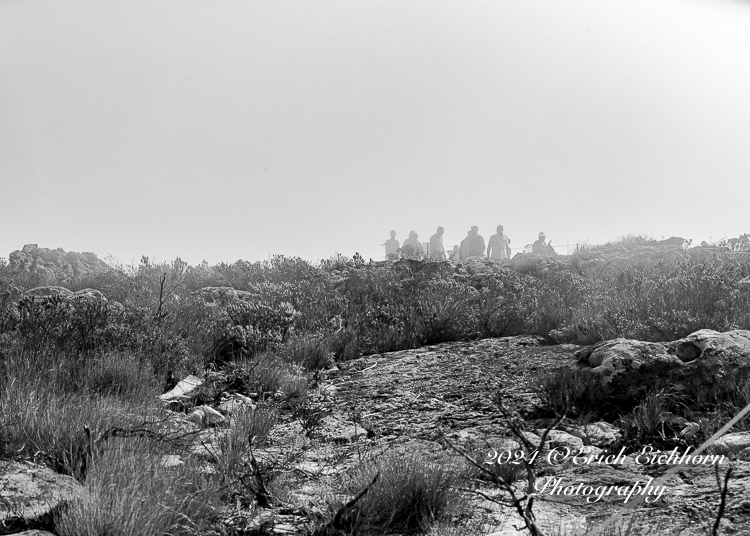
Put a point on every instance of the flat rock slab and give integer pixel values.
(28, 491)
(407, 398)
(450, 386)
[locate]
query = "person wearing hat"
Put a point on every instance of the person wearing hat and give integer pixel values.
(540, 248)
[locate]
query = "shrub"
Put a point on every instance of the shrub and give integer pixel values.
(410, 494)
(445, 312)
(265, 375)
(312, 352)
(652, 421)
(573, 392)
(509, 472)
(248, 425)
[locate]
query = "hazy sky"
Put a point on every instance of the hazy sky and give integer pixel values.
(227, 130)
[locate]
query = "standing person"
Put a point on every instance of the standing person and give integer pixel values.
(456, 253)
(539, 247)
(472, 245)
(391, 248)
(498, 248)
(437, 253)
(412, 248)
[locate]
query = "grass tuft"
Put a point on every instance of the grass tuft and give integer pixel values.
(410, 495)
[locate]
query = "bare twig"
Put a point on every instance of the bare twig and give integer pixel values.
(517, 502)
(334, 525)
(485, 496)
(722, 504)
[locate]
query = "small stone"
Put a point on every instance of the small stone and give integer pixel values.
(235, 403)
(171, 460)
(744, 455)
(732, 443)
(560, 439)
(197, 417)
(601, 434)
(690, 430)
(183, 388)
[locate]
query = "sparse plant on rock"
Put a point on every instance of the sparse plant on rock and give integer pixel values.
(309, 416)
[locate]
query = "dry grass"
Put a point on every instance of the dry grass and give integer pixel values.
(39, 422)
(312, 352)
(130, 493)
(572, 392)
(409, 496)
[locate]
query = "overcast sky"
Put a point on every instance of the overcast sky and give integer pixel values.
(227, 130)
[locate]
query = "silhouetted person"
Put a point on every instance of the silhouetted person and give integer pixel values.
(498, 248)
(437, 252)
(455, 253)
(391, 247)
(540, 248)
(472, 245)
(412, 248)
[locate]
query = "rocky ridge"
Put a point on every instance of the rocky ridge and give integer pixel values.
(55, 265)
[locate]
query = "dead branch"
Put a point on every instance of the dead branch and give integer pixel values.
(517, 502)
(335, 525)
(723, 502)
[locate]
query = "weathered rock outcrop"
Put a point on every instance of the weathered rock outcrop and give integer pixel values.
(84, 294)
(602, 262)
(223, 295)
(705, 359)
(55, 265)
(29, 494)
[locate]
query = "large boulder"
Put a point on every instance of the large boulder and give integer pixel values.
(49, 290)
(29, 494)
(622, 356)
(700, 363)
(223, 295)
(89, 294)
(732, 443)
(604, 262)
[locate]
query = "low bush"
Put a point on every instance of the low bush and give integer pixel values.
(410, 494)
(573, 392)
(312, 351)
(652, 421)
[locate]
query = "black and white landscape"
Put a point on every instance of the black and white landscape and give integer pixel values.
(374, 268)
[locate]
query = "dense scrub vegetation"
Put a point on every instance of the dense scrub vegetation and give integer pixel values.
(348, 307)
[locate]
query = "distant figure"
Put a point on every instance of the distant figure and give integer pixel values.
(472, 245)
(540, 248)
(456, 253)
(498, 248)
(391, 247)
(412, 248)
(436, 251)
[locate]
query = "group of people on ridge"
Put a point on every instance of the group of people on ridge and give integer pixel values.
(498, 248)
